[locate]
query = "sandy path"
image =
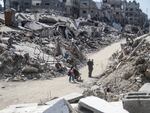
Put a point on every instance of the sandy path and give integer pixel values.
(34, 91)
(100, 60)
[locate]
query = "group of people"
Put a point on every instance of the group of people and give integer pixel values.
(74, 74)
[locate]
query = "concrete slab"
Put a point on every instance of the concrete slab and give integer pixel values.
(71, 98)
(96, 105)
(137, 102)
(118, 105)
(59, 106)
(20, 109)
(145, 88)
(62, 106)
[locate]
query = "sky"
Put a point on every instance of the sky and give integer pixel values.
(144, 4)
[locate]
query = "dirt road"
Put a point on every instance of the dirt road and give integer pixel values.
(36, 91)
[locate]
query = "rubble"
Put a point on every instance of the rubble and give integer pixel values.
(96, 105)
(145, 88)
(63, 105)
(136, 102)
(34, 49)
(127, 71)
(84, 105)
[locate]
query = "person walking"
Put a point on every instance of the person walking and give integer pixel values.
(90, 64)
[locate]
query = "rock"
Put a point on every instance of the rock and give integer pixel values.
(95, 91)
(29, 70)
(140, 60)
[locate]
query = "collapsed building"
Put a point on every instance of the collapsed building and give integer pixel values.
(49, 40)
(134, 14)
(123, 12)
(65, 7)
(88, 8)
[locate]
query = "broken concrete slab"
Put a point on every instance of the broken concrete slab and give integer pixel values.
(71, 98)
(96, 105)
(20, 108)
(137, 102)
(145, 88)
(118, 105)
(61, 106)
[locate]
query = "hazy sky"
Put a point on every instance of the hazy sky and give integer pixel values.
(145, 5)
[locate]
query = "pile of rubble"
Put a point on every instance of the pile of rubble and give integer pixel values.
(72, 103)
(128, 70)
(45, 47)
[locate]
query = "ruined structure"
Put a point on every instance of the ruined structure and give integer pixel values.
(20, 5)
(70, 7)
(112, 11)
(123, 12)
(53, 4)
(134, 14)
(88, 7)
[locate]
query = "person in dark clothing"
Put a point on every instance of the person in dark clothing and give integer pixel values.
(90, 67)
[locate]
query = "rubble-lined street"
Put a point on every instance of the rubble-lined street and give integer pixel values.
(127, 71)
(74, 56)
(47, 89)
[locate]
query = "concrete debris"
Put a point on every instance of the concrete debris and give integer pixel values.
(46, 49)
(84, 105)
(63, 105)
(127, 71)
(145, 88)
(71, 98)
(96, 105)
(137, 102)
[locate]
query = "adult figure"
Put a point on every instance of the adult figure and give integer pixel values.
(90, 64)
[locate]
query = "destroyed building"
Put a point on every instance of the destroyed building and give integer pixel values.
(53, 4)
(112, 11)
(123, 12)
(72, 8)
(88, 7)
(134, 14)
(20, 5)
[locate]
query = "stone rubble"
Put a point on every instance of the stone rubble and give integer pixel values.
(46, 49)
(127, 71)
(83, 105)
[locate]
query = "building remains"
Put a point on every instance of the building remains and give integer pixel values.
(123, 12)
(88, 8)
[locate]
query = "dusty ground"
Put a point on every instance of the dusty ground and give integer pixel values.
(36, 91)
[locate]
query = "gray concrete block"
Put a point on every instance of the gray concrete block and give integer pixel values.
(71, 98)
(137, 102)
(96, 105)
(61, 106)
(145, 88)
